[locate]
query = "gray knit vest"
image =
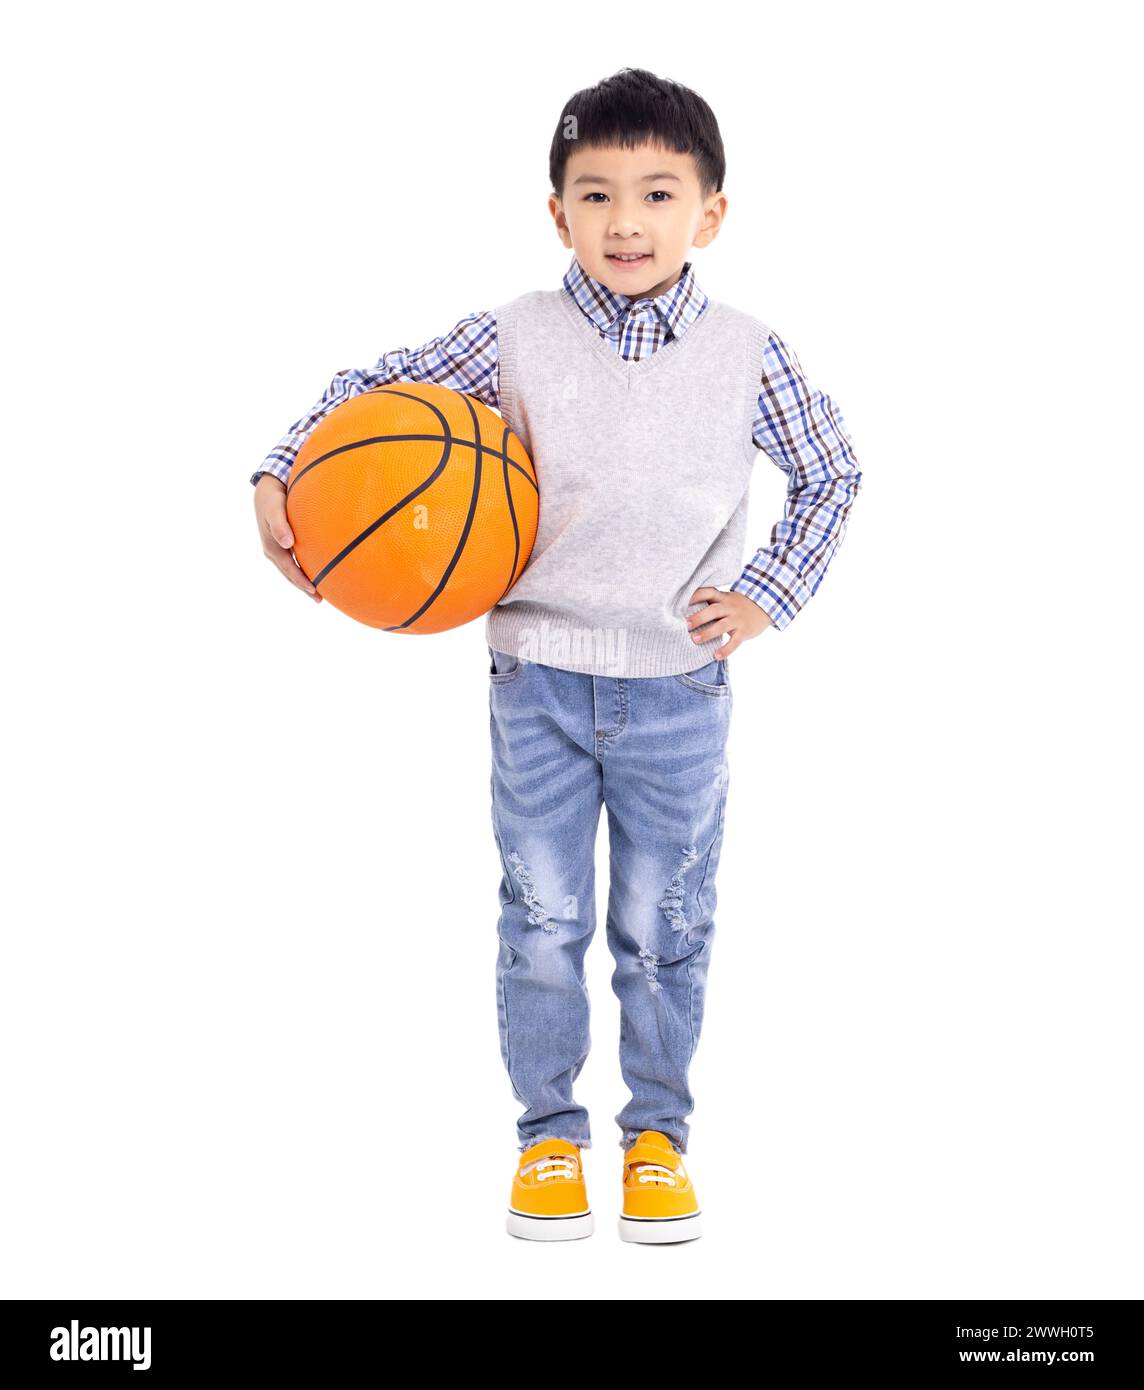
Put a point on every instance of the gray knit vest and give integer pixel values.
(644, 470)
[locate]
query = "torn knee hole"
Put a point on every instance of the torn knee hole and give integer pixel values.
(536, 913)
(651, 966)
(672, 901)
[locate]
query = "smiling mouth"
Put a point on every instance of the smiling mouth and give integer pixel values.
(627, 259)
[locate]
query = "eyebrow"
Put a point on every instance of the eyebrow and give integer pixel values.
(597, 178)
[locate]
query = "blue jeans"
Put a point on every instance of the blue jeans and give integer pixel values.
(653, 750)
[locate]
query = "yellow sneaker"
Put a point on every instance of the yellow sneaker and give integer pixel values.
(549, 1199)
(660, 1205)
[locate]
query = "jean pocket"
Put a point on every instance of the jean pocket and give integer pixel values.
(503, 666)
(712, 679)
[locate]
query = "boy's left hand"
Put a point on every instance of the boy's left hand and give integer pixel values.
(733, 612)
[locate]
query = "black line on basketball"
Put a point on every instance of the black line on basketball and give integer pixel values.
(397, 439)
(447, 440)
(460, 546)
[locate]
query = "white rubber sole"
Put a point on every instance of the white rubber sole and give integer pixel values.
(550, 1227)
(653, 1230)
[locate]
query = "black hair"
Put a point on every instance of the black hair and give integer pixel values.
(633, 107)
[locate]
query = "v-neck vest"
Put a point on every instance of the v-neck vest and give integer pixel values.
(644, 471)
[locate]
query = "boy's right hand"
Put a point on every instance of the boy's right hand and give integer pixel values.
(274, 529)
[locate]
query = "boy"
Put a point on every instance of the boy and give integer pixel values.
(643, 404)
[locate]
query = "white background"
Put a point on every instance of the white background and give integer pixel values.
(247, 1019)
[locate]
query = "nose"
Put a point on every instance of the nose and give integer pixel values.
(624, 223)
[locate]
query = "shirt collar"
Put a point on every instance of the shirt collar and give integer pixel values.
(677, 307)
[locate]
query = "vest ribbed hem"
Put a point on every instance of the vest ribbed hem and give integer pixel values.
(544, 635)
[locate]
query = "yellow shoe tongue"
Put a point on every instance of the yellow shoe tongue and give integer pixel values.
(550, 1147)
(645, 1151)
(656, 1140)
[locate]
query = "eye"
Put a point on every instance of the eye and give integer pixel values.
(656, 192)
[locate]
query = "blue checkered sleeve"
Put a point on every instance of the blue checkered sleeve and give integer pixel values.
(802, 430)
(465, 359)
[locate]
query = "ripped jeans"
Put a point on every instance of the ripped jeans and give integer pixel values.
(653, 751)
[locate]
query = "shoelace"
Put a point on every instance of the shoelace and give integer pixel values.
(656, 1172)
(561, 1166)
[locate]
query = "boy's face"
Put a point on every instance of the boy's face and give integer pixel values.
(643, 200)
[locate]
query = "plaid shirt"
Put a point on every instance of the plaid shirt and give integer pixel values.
(797, 426)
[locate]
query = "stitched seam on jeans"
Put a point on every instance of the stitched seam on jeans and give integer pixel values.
(715, 837)
(507, 1028)
(699, 904)
(720, 692)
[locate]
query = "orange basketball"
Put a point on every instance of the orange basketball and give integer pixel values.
(413, 507)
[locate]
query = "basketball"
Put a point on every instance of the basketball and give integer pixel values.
(413, 507)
